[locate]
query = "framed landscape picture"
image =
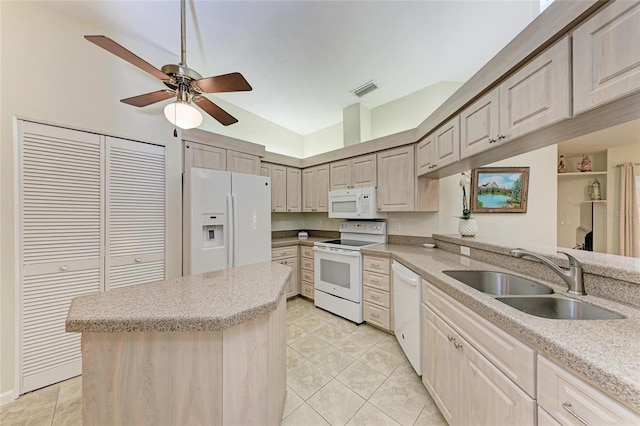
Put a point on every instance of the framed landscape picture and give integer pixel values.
(499, 190)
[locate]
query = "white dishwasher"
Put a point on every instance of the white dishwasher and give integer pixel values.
(407, 296)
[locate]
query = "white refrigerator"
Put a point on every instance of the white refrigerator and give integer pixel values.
(227, 220)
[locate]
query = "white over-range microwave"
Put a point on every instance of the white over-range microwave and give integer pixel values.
(356, 203)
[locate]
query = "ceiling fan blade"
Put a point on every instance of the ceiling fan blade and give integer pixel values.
(215, 111)
(107, 44)
(149, 98)
(233, 82)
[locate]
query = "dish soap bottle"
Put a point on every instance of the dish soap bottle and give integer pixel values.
(562, 168)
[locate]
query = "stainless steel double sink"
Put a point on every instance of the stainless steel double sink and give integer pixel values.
(530, 297)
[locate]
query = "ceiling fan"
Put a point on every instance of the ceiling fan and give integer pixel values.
(183, 83)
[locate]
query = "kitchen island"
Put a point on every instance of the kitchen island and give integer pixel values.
(200, 349)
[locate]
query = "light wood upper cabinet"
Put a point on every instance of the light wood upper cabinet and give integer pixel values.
(204, 156)
(294, 190)
(397, 179)
(480, 125)
(364, 171)
(425, 155)
(240, 162)
(278, 175)
(286, 187)
(606, 56)
(215, 158)
(538, 94)
(358, 172)
(446, 144)
(315, 189)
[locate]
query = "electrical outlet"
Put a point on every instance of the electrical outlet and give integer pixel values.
(397, 225)
(465, 251)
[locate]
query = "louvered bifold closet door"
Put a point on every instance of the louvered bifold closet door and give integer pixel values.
(60, 245)
(135, 230)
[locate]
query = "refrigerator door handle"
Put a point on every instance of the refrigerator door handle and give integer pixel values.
(234, 205)
(229, 231)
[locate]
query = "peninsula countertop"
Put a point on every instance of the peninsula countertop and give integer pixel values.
(205, 302)
(604, 352)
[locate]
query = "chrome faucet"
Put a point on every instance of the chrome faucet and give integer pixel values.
(572, 276)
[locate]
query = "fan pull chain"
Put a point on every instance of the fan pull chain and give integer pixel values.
(175, 113)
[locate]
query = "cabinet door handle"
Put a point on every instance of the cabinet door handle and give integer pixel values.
(457, 345)
(64, 268)
(500, 137)
(567, 407)
(375, 315)
(374, 297)
(491, 140)
(451, 338)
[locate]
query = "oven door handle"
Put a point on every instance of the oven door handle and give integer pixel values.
(337, 253)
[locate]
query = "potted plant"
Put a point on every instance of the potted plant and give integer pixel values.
(467, 226)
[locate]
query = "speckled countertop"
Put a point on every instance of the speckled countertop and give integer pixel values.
(288, 241)
(205, 302)
(605, 353)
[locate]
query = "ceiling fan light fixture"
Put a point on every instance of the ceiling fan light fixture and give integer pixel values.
(183, 115)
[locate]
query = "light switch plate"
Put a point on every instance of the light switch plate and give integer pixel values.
(465, 251)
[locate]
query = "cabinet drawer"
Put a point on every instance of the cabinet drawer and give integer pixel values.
(376, 264)
(307, 264)
(306, 252)
(373, 279)
(567, 397)
(284, 252)
(307, 290)
(376, 315)
(375, 296)
(307, 276)
(515, 359)
(545, 419)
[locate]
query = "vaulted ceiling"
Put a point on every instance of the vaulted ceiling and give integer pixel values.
(304, 57)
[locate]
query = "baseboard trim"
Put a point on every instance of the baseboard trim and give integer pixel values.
(6, 397)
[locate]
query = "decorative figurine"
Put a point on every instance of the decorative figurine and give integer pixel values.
(562, 168)
(584, 165)
(594, 191)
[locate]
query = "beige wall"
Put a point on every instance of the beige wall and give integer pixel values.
(538, 225)
(411, 110)
(323, 140)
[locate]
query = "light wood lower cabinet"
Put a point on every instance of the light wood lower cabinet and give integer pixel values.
(377, 306)
(569, 400)
(289, 256)
(306, 272)
(467, 385)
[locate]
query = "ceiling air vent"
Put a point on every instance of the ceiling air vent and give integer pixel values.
(369, 86)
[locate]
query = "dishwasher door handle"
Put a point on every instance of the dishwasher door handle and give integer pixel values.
(410, 280)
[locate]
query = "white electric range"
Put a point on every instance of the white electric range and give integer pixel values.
(338, 268)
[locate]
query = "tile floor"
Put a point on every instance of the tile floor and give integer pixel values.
(337, 374)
